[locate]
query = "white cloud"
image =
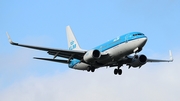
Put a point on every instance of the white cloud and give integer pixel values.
(159, 84)
(152, 82)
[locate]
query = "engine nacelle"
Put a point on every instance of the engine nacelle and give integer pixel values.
(138, 61)
(92, 55)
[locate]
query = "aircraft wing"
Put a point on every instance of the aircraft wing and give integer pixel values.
(52, 51)
(156, 60)
(129, 59)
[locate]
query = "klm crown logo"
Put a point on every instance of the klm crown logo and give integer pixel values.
(72, 45)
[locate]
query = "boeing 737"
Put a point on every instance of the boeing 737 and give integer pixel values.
(114, 53)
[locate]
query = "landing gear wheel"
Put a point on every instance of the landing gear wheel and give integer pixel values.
(88, 69)
(117, 71)
(120, 71)
(92, 69)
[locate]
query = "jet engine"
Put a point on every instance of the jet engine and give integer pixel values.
(92, 55)
(138, 61)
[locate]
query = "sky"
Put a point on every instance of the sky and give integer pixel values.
(43, 23)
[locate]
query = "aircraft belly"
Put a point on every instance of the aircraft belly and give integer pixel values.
(81, 66)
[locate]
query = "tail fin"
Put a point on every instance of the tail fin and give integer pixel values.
(72, 42)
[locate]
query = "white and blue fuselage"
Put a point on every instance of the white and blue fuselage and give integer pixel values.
(116, 49)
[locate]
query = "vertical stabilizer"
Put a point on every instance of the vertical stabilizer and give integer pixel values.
(72, 42)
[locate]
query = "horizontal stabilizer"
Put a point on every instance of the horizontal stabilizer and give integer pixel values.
(53, 60)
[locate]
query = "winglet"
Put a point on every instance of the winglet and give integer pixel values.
(10, 41)
(9, 38)
(171, 56)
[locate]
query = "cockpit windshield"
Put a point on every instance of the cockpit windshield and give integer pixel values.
(138, 34)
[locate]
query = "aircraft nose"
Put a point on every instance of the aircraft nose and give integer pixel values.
(144, 40)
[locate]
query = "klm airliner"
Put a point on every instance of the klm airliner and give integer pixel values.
(114, 53)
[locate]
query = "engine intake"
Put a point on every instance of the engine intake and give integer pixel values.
(96, 53)
(92, 55)
(138, 61)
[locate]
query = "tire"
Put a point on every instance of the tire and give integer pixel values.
(92, 69)
(120, 71)
(115, 71)
(88, 69)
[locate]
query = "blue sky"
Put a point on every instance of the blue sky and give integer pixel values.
(43, 23)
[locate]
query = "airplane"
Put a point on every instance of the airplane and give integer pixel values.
(114, 53)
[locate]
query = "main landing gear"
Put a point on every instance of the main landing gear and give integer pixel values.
(118, 70)
(92, 69)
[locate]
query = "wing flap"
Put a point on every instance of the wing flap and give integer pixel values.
(66, 55)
